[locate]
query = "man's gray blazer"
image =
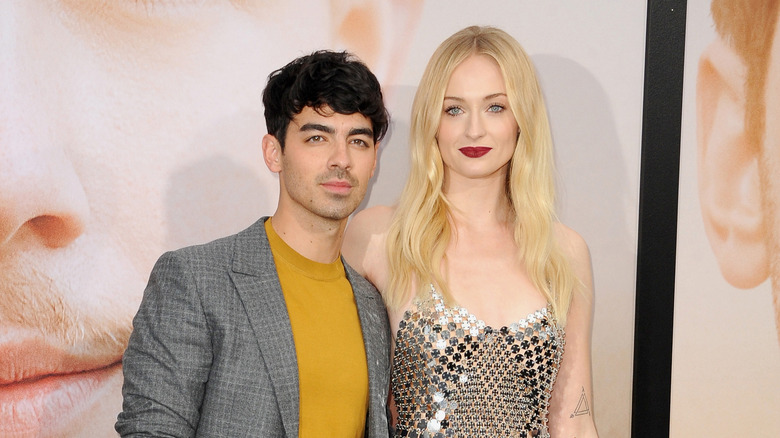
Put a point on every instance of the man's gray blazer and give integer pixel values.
(212, 352)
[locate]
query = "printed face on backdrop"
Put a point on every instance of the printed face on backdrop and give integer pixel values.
(126, 129)
(770, 170)
(477, 133)
(739, 159)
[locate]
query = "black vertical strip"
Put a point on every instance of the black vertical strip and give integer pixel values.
(659, 178)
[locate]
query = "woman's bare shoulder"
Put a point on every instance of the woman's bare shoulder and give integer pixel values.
(374, 219)
(364, 240)
(571, 242)
(576, 250)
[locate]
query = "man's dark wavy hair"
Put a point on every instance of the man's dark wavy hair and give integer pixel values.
(323, 79)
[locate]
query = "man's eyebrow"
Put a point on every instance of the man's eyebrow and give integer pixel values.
(361, 131)
(317, 127)
(330, 130)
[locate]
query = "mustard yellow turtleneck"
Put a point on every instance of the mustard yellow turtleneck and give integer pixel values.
(332, 369)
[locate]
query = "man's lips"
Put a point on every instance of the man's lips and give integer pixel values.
(475, 151)
(338, 186)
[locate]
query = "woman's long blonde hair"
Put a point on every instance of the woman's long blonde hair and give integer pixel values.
(420, 230)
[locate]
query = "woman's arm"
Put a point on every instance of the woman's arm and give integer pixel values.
(571, 406)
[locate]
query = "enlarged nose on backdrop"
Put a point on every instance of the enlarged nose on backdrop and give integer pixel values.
(42, 201)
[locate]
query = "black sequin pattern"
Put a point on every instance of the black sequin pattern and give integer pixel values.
(454, 376)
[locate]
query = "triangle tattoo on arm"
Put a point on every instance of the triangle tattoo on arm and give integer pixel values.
(582, 406)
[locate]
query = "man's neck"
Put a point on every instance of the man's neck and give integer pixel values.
(317, 239)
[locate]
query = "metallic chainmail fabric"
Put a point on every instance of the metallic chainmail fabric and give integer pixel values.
(454, 376)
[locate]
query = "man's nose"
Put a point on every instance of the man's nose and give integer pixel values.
(340, 155)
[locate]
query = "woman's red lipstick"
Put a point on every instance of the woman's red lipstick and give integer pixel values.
(474, 151)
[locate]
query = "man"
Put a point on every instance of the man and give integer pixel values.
(129, 128)
(267, 332)
(738, 104)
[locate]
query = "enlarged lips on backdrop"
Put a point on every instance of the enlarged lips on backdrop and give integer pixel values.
(60, 348)
(43, 386)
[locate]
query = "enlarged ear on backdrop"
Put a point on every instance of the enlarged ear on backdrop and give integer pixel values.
(729, 182)
(272, 153)
(377, 31)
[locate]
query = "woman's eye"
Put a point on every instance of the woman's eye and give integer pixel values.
(495, 108)
(453, 111)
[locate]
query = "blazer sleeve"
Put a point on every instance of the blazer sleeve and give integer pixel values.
(168, 357)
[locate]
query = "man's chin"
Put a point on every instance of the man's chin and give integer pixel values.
(341, 210)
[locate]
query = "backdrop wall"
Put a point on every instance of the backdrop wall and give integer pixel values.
(130, 128)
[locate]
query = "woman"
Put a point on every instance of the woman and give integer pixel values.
(479, 278)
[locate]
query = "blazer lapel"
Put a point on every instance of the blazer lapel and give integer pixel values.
(257, 283)
(374, 326)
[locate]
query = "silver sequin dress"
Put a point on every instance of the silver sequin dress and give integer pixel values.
(454, 376)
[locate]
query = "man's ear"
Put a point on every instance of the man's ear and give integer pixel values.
(729, 182)
(272, 153)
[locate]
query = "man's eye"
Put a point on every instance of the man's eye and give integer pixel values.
(315, 139)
